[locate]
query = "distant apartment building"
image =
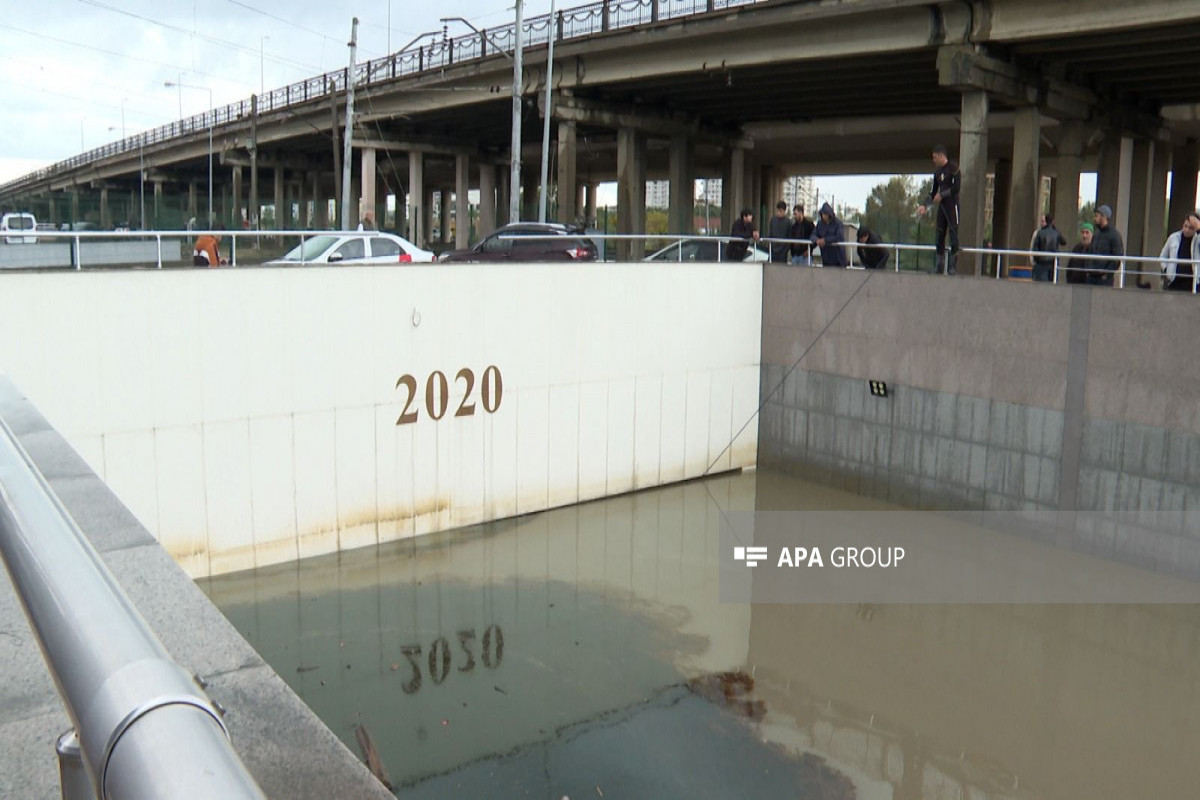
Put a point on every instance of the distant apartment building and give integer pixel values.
(658, 194)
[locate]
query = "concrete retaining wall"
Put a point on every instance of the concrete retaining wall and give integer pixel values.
(1003, 396)
(290, 752)
(257, 416)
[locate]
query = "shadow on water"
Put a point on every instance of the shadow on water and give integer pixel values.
(583, 653)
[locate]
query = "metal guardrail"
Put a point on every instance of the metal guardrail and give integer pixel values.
(145, 729)
(579, 22)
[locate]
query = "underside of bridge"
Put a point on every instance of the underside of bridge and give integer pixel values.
(1019, 89)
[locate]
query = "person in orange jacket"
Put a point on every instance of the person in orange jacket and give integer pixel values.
(206, 252)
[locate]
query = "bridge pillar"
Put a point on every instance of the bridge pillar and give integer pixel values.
(237, 198)
(502, 191)
(682, 193)
(320, 208)
(367, 182)
(1024, 208)
(462, 205)
(568, 209)
(487, 200)
(105, 217)
(631, 191)
(158, 205)
(972, 164)
(1185, 165)
(1141, 167)
(302, 204)
(427, 201)
(445, 214)
(733, 180)
(192, 210)
(416, 196)
(1066, 180)
(53, 211)
(1114, 175)
(589, 202)
(529, 192)
(1156, 205)
(280, 200)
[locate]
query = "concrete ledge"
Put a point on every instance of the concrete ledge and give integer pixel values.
(287, 748)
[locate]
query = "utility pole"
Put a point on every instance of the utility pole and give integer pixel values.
(514, 178)
(546, 123)
(347, 143)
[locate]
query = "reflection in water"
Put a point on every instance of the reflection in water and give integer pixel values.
(583, 650)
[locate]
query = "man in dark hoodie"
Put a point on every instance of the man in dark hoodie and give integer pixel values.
(1107, 241)
(743, 230)
(943, 196)
(1045, 246)
(802, 230)
(828, 236)
(780, 228)
(870, 253)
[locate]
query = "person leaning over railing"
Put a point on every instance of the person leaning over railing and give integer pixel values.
(1181, 247)
(207, 249)
(743, 229)
(871, 253)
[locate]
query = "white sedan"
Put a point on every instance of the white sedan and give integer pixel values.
(703, 250)
(356, 248)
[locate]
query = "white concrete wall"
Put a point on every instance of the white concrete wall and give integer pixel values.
(248, 417)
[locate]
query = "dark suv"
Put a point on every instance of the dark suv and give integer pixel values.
(506, 244)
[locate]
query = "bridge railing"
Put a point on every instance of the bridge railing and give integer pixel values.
(573, 23)
(143, 726)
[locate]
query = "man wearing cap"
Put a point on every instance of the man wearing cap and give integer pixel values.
(943, 197)
(1182, 248)
(1107, 241)
(1077, 268)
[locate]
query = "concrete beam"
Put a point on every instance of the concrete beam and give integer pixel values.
(613, 115)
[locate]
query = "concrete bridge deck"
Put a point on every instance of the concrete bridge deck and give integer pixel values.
(290, 752)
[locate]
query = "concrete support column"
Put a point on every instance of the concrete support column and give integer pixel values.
(1136, 244)
(318, 211)
(237, 198)
(530, 180)
(158, 205)
(191, 207)
(367, 162)
(302, 200)
(1066, 180)
(281, 214)
(1185, 164)
(681, 213)
(589, 202)
(733, 179)
(1001, 187)
(568, 209)
(105, 218)
(445, 214)
(54, 210)
(1156, 202)
(462, 205)
(1023, 200)
(502, 192)
(972, 163)
(427, 208)
(631, 190)
(487, 200)
(1124, 186)
(417, 232)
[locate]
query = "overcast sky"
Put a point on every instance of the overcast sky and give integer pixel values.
(78, 72)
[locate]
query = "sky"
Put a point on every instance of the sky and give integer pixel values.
(81, 73)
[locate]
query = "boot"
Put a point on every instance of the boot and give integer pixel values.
(952, 264)
(940, 265)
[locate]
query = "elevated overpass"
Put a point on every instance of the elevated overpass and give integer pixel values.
(684, 89)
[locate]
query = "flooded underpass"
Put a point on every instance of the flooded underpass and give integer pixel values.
(583, 652)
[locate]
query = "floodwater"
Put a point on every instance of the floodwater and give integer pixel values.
(583, 653)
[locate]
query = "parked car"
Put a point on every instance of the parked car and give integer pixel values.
(505, 244)
(355, 248)
(703, 250)
(18, 222)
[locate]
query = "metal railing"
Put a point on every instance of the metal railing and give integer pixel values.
(579, 22)
(145, 728)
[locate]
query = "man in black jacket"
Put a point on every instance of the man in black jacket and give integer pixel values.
(869, 253)
(780, 228)
(1045, 246)
(1107, 241)
(744, 231)
(943, 196)
(802, 230)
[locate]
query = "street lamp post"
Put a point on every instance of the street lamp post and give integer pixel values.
(261, 51)
(546, 121)
(170, 84)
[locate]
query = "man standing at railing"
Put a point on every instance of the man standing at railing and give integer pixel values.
(743, 230)
(1182, 247)
(780, 228)
(1077, 268)
(828, 236)
(1045, 246)
(943, 196)
(802, 230)
(1107, 241)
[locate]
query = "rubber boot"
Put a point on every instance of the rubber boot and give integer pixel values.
(940, 265)
(952, 264)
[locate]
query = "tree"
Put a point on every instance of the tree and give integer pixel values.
(891, 212)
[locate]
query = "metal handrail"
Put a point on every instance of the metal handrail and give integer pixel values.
(145, 729)
(573, 23)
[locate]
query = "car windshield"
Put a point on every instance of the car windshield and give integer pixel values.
(19, 223)
(312, 249)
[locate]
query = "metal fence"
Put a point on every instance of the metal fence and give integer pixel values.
(579, 22)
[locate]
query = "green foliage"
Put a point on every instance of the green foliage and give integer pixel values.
(1086, 214)
(891, 210)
